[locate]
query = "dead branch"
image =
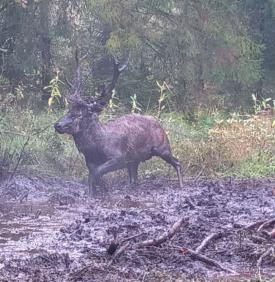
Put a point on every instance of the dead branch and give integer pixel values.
(116, 243)
(119, 252)
(254, 224)
(258, 239)
(206, 241)
(266, 224)
(206, 259)
(19, 158)
(163, 238)
(268, 252)
(131, 237)
(36, 132)
(199, 174)
(153, 242)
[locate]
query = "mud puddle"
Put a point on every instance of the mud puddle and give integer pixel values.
(49, 231)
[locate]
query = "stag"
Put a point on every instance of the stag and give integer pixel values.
(122, 143)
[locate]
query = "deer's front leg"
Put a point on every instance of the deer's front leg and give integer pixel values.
(133, 172)
(92, 180)
(110, 165)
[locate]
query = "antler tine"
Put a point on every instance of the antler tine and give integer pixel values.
(78, 74)
(117, 70)
(75, 97)
(69, 84)
(98, 103)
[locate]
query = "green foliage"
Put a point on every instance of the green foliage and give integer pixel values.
(209, 56)
(3, 80)
(262, 104)
(46, 151)
(55, 93)
(135, 106)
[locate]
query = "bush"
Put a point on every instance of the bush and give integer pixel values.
(31, 138)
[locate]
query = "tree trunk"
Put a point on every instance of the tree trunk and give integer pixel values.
(45, 47)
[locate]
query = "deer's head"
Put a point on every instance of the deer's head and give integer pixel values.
(84, 110)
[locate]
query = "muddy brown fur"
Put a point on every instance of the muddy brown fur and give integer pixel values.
(122, 143)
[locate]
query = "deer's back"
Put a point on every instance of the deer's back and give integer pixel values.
(136, 135)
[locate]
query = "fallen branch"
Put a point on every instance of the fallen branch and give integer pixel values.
(254, 224)
(166, 236)
(258, 239)
(132, 237)
(206, 259)
(119, 252)
(153, 242)
(115, 243)
(266, 224)
(206, 241)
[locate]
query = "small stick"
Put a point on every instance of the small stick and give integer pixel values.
(132, 237)
(199, 174)
(119, 252)
(163, 238)
(19, 158)
(265, 254)
(153, 242)
(258, 239)
(206, 241)
(266, 224)
(37, 214)
(207, 260)
(254, 224)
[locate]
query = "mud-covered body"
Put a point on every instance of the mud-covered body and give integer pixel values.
(121, 143)
(131, 138)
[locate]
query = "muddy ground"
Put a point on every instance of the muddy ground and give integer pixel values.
(49, 231)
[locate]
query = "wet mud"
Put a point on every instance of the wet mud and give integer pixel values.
(51, 231)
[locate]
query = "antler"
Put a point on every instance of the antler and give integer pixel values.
(76, 86)
(95, 104)
(98, 103)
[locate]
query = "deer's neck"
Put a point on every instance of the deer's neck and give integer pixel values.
(88, 138)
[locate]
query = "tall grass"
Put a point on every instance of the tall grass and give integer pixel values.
(214, 145)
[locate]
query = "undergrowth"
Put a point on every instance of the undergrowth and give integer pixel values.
(215, 145)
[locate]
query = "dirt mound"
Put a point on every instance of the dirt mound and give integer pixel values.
(50, 231)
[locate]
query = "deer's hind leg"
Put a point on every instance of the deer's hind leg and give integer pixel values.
(167, 156)
(133, 172)
(92, 180)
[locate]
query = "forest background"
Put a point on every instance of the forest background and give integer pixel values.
(205, 68)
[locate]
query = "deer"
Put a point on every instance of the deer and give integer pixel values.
(122, 143)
